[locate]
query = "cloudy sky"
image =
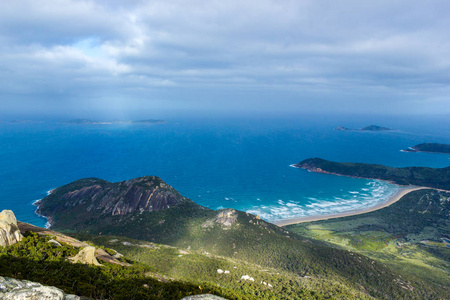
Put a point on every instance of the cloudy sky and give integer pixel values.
(247, 55)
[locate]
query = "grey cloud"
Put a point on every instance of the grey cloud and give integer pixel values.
(300, 50)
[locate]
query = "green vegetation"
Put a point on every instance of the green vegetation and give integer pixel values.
(422, 176)
(202, 268)
(35, 259)
(329, 270)
(407, 236)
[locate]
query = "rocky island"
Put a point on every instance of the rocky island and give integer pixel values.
(367, 128)
(429, 147)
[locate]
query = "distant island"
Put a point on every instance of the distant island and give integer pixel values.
(429, 147)
(367, 128)
(421, 176)
(24, 121)
(93, 122)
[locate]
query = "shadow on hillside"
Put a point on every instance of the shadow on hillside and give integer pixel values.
(107, 282)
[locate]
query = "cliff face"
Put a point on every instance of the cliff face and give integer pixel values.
(91, 198)
(9, 231)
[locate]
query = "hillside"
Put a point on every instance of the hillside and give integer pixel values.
(410, 235)
(37, 258)
(151, 271)
(228, 233)
(421, 176)
(89, 199)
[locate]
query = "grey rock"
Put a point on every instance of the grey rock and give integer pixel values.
(203, 297)
(9, 230)
(54, 242)
(86, 256)
(13, 289)
(227, 217)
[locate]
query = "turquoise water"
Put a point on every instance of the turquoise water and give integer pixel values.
(243, 163)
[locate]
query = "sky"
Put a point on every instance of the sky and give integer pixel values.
(151, 57)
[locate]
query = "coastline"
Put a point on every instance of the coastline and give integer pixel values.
(37, 203)
(394, 198)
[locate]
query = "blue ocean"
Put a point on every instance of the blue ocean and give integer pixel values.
(240, 162)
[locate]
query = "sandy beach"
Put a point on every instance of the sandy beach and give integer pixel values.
(397, 196)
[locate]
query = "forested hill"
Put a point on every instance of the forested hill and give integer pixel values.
(421, 176)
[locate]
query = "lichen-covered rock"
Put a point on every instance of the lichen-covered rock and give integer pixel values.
(227, 217)
(9, 230)
(86, 256)
(13, 289)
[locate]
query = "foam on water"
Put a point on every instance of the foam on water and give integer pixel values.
(378, 193)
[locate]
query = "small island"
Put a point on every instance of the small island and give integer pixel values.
(95, 122)
(367, 128)
(429, 147)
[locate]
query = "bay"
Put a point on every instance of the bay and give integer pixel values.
(242, 162)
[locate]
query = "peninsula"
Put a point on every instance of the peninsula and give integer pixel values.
(429, 147)
(438, 178)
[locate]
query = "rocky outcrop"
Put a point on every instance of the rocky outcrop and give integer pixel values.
(58, 238)
(227, 217)
(145, 193)
(9, 231)
(86, 256)
(13, 289)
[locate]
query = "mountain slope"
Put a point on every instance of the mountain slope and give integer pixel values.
(154, 271)
(86, 208)
(91, 198)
